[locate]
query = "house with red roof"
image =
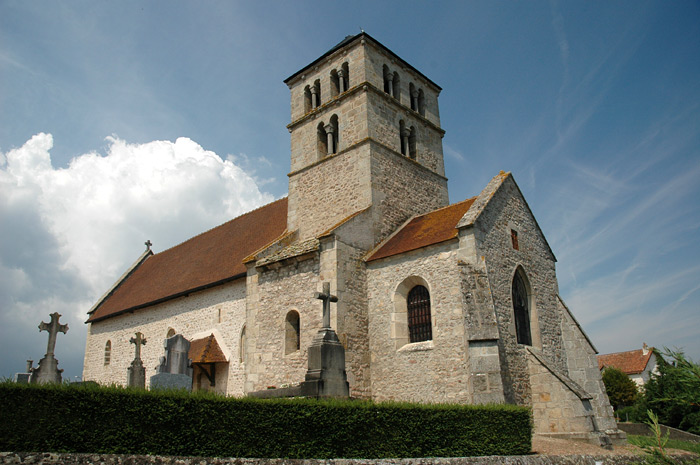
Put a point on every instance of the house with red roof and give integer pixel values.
(436, 302)
(638, 364)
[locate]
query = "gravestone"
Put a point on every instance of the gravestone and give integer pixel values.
(23, 378)
(175, 369)
(137, 372)
(47, 371)
(326, 376)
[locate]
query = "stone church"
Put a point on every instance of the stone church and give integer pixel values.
(436, 302)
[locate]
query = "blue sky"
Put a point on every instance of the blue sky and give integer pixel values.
(157, 120)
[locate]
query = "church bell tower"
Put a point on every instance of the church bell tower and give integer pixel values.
(365, 136)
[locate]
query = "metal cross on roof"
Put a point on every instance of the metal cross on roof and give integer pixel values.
(327, 298)
(53, 328)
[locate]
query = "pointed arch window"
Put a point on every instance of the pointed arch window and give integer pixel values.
(108, 353)
(521, 310)
(291, 332)
(418, 309)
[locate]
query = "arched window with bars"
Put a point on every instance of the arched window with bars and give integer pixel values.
(418, 309)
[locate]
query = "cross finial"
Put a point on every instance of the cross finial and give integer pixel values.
(148, 244)
(53, 327)
(327, 298)
(138, 340)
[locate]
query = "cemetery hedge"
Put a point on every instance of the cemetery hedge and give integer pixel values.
(93, 419)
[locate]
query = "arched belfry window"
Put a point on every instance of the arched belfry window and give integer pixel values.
(418, 309)
(344, 74)
(397, 87)
(108, 352)
(335, 84)
(291, 332)
(316, 94)
(521, 309)
(413, 94)
(388, 80)
(412, 143)
(421, 102)
(322, 140)
(307, 99)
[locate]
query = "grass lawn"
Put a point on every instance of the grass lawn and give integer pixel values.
(671, 444)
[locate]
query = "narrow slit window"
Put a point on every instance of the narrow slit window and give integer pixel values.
(514, 239)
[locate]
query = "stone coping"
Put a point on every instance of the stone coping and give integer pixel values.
(48, 458)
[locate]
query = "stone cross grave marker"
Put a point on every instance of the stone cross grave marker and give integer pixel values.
(326, 376)
(47, 371)
(327, 298)
(137, 372)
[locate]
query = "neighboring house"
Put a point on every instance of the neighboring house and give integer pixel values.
(436, 302)
(637, 364)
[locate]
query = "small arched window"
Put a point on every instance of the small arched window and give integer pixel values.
(412, 143)
(413, 94)
(344, 77)
(108, 352)
(404, 135)
(316, 94)
(336, 135)
(291, 332)
(421, 102)
(241, 346)
(322, 140)
(335, 84)
(418, 309)
(521, 310)
(388, 78)
(396, 87)
(307, 99)
(171, 333)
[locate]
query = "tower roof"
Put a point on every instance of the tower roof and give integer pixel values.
(350, 39)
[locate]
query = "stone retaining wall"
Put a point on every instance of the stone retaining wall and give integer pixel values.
(105, 459)
(640, 429)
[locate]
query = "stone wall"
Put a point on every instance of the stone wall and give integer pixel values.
(582, 365)
(429, 371)
(347, 270)
(402, 188)
(272, 294)
(331, 191)
(507, 210)
(220, 310)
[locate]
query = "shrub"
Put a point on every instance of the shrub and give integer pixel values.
(621, 390)
(118, 420)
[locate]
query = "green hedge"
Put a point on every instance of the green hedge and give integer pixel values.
(94, 419)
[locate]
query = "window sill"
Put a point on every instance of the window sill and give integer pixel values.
(417, 346)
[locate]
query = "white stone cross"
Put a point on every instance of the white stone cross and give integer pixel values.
(53, 328)
(327, 299)
(138, 340)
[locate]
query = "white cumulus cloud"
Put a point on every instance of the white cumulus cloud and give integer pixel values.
(68, 233)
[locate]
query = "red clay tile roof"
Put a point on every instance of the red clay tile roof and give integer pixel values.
(206, 350)
(211, 258)
(630, 362)
(422, 231)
